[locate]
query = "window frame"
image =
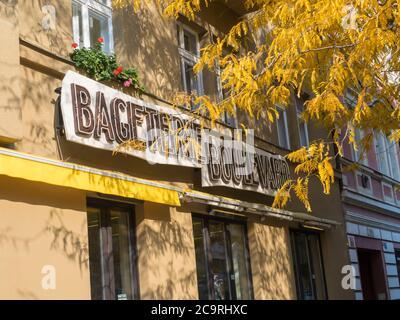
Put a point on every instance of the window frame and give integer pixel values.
(100, 9)
(356, 154)
(300, 122)
(226, 118)
(106, 254)
(188, 57)
(380, 137)
(299, 287)
(208, 257)
(397, 257)
(285, 119)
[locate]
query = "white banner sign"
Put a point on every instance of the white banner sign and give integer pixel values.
(238, 165)
(102, 117)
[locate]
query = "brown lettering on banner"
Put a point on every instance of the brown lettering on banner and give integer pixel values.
(237, 168)
(83, 115)
(135, 118)
(122, 130)
(270, 174)
(102, 119)
(261, 163)
(226, 164)
(213, 166)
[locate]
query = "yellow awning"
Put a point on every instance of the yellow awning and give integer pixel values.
(23, 166)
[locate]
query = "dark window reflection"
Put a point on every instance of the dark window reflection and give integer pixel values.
(308, 266)
(95, 253)
(110, 251)
(221, 260)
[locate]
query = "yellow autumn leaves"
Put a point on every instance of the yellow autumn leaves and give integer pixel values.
(314, 160)
(343, 54)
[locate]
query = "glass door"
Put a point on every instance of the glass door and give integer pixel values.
(310, 281)
(223, 269)
(111, 251)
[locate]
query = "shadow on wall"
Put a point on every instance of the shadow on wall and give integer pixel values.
(271, 263)
(57, 37)
(63, 240)
(148, 42)
(166, 250)
(8, 10)
(38, 106)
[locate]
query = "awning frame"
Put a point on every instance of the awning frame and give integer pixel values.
(175, 195)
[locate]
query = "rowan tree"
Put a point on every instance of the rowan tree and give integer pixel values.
(344, 54)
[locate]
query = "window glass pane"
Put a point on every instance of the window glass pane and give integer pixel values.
(380, 147)
(190, 42)
(105, 2)
(219, 262)
(239, 266)
(303, 267)
(397, 252)
(299, 106)
(121, 257)
(360, 154)
(96, 283)
(201, 264)
(310, 282)
(77, 24)
(394, 163)
(316, 260)
(98, 27)
(190, 78)
(282, 130)
(303, 133)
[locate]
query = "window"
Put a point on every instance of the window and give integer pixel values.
(302, 125)
(360, 155)
(92, 19)
(222, 260)
(310, 279)
(189, 52)
(227, 117)
(111, 251)
(283, 133)
(397, 253)
(386, 152)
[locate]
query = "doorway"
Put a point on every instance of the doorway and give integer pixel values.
(372, 274)
(309, 272)
(112, 250)
(222, 259)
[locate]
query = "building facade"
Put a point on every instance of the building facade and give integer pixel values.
(371, 206)
(81, 222)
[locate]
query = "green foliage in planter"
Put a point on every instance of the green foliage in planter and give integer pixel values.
(104, 67)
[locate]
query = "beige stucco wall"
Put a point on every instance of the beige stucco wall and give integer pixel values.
(271, 263)
(164, 235)
(32, 15)
(42, 225)
(167, 263)
(10, 93)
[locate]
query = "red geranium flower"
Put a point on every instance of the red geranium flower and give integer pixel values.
(74, 45)
(100, 40)
(117, 71)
